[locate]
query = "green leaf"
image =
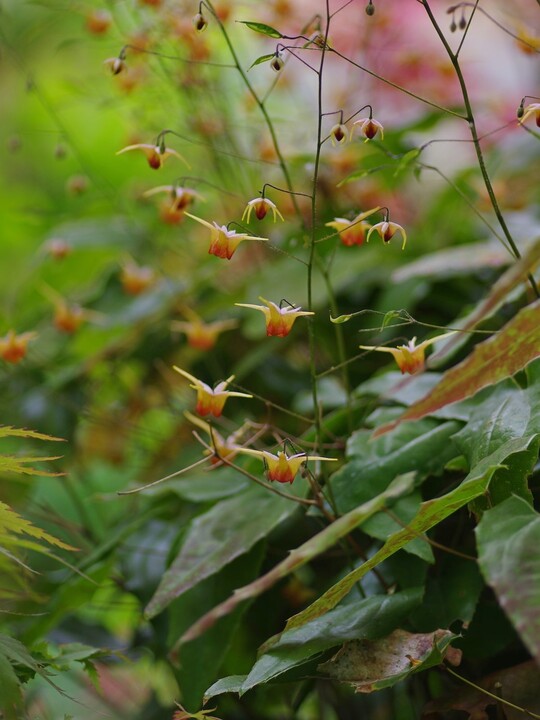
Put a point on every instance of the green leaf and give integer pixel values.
(340, 319)
(232, 683)
(424, 447)
(503, 355)
(262, 59)
(217, 537)
(430, 514)
(300, 556)
(406, 160)
(508, 538)
(374, 665)
(11, 703)
(368, 618)
(262, 28)
(200, 660)
(503, 416)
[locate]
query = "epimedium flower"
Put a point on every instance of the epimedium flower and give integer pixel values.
(283, 468)
(353, 232)
(155, 154)
(279, 320)
(339, 134)
(261, 206)
(181, 197)
(218, 448)
(387, 230)
(368, 127)
(223, 242)
(13, 347)
(115, 64)
(202, 335)
(136, 279)
(411, 357)
(68, 318)
(210, 401)
(532, 110)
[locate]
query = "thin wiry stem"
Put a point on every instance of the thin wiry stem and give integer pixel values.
(476, 141)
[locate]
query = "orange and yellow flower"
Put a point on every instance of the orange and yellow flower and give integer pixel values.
(136, 279)
(155, 154)
(210, 401)
(353, 232)
(13, 347)
(218, 448)
(387, 230)
(68, 318)
(223, 242)
(261, 206)
(279, 320)
(202, 335)
(283, 468)
(411, 357)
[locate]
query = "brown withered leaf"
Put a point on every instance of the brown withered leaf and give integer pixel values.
(370, 665)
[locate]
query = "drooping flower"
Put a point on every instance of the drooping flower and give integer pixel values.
(210, 401)
(339, 134)
(58, 248)
(387, 230)
(115, 64)
(68, 318)
(181, 197)
(411, 357)
(218, 448)
(199, 22)
(155, 154)
(283, 468)
(279, 320)
(261, 206)
(224, 242)
(532, 110)
(136, 279)
(353, 232)
(368, 127)
(202, 335)
(13, 347)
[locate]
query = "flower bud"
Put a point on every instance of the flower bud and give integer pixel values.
(453, 26)
(462, 23)
(276, 64)
(370, 9)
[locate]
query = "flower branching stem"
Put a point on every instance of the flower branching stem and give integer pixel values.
(475, 137)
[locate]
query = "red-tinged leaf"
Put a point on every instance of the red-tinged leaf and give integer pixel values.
(516, 274)
(503, 355)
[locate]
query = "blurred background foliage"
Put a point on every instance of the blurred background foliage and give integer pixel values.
(102, 273)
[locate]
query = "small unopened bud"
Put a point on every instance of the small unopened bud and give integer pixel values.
(199, 22)
(276, 63)
(370, 8)
(462, 23)
(117, 66)
(453, 26)
(520, 111)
